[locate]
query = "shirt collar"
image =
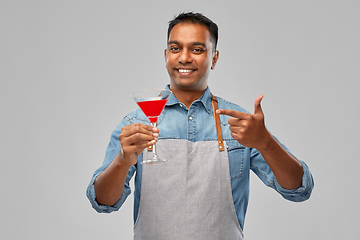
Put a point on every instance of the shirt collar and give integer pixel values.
(205, 99)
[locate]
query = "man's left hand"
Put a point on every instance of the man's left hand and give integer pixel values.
(248, 129)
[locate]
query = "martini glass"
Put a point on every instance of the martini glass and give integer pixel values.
(152, 102)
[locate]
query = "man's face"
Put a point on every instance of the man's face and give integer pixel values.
(190, 57)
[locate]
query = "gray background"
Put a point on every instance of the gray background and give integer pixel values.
(67, 69)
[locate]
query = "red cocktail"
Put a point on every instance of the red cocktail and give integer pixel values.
(152, 108)
(152, 102)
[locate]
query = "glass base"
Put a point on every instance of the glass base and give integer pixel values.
(154, 161)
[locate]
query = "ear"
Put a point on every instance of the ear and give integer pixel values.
(165, 54)
(215, 58)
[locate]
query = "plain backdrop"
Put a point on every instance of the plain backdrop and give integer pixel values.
(67, 69)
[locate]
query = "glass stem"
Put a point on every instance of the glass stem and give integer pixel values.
(155, 157)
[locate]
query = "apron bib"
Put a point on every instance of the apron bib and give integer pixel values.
(189, 197)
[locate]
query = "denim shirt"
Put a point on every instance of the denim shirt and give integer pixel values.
(197, 124)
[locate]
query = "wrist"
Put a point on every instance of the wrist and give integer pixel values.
(122, 161)
(267, 143)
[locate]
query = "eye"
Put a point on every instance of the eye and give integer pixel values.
(198, 50)
(174, 49)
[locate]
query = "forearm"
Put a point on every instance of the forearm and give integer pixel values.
(110, 183)
(287, 169)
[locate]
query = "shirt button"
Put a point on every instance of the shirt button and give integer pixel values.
(180, 105)
(190, 118)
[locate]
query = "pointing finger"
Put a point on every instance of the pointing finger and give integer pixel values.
(233, 113)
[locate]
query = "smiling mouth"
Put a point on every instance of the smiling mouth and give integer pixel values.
(181, 70)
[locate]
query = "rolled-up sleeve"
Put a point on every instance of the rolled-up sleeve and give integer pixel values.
(263, 171)
(299, 194)
(91, 195)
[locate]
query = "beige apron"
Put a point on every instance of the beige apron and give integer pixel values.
(188, 197)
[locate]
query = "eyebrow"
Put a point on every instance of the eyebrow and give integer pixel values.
(194, 43)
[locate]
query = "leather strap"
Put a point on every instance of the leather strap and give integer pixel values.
(217, 125)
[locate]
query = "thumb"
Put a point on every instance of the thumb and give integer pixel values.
(257, 107)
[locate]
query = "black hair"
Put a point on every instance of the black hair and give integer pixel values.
(191, 17)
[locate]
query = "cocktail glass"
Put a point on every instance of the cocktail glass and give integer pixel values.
(152, 102)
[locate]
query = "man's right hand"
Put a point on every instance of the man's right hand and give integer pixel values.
(134, 139)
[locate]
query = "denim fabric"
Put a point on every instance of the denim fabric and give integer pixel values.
(197, 124)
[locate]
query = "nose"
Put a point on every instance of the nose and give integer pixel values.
(185, 56)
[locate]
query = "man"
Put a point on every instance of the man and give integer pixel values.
(203, 191)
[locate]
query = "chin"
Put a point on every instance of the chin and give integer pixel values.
(190, 87)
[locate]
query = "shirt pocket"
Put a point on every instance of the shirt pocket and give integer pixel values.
(236, 158)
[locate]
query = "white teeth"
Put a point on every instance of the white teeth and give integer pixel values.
(185, 70)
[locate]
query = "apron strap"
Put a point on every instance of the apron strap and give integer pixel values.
(217, 123)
